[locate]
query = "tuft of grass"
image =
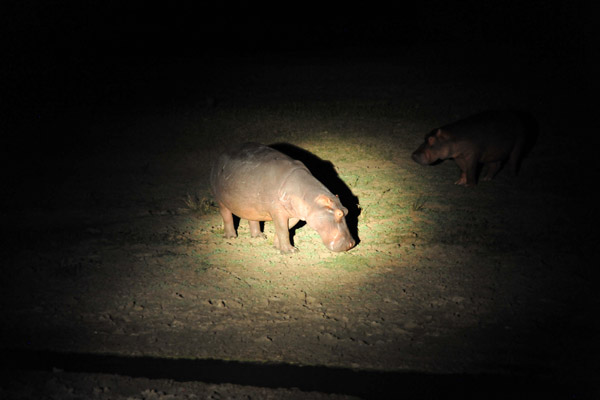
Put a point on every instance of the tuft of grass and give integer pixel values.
(197, 204)
(419, 203)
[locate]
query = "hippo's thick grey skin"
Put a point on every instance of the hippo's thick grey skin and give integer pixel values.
(490, 138)
(258, 183)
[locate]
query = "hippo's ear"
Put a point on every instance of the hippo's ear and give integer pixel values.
(324, 201)
(442, 135)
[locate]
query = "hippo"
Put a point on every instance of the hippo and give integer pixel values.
(258, 183)
(489, 138)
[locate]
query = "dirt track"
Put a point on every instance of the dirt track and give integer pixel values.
(484, 289)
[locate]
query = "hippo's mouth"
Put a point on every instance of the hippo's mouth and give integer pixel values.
(420, 158)
(338, 244)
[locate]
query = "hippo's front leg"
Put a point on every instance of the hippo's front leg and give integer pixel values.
(468, 170)
(492, 169)
(282, 235)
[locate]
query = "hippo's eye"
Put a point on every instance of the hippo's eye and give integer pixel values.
(339, 214)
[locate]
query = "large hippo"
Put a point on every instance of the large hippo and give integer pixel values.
(490, 138)
(258, 183)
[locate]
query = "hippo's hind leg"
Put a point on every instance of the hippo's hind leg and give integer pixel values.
(514, 159)
(227, 221)
(255, 230)
(492, 170)
(463, 178)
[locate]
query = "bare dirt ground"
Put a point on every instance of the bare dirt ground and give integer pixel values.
(113, 287)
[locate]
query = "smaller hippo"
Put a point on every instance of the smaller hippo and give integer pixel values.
(259, 183)
(489, 138)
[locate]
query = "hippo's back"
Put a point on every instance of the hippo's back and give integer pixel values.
(250, 176)
(488, 127)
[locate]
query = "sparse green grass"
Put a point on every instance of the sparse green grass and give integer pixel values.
(403, 207)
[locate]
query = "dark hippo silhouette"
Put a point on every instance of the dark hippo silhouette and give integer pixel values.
(258, 183)
(490, 138)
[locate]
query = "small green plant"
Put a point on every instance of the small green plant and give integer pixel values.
(197, 204)
(419, 203)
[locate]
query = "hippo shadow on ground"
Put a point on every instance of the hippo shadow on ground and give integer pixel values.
(325, 173)
(237, 221)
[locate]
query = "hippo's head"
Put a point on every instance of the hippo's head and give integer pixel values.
(434, 148)
(327, 217)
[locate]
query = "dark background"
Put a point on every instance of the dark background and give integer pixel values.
(69, 65)
(79, 45)
(134, 28)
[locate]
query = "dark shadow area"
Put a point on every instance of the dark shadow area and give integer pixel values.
(532, 132)
(362, 383)
(236, 223)
(325, 173)
(530, 138)
(293, 229)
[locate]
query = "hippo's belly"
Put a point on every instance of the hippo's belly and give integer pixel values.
(242, 207)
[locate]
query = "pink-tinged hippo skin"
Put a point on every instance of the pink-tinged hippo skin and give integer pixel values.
(258, 183)
(490, 138)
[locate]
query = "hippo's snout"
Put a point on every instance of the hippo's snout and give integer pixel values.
(341, 245)
(417, 157)
(420, 157)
